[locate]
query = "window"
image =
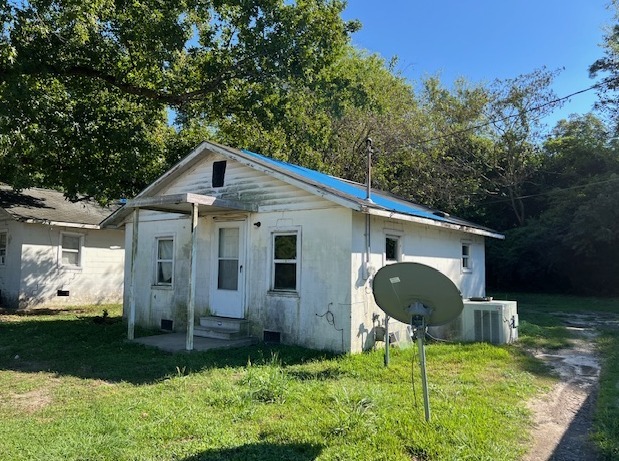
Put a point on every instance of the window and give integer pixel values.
(228, 259)
(165, 261)
(71, 250)
(392, 249)
(2, 248)
(466, 257)
(219, 172)
(285, 261)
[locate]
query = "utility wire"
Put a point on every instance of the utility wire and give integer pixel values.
(554, 191)
(492, 122)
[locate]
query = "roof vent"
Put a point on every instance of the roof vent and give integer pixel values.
(441, 214)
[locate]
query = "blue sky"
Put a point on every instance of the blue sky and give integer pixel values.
(482, 40)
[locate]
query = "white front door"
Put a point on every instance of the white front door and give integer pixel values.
(228, 272)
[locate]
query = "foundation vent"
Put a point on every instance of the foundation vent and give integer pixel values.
(272, 337)
(62, 293)
(167, 325)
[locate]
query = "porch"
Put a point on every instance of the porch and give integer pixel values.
(176, 342)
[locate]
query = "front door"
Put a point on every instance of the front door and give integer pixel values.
(228, 281)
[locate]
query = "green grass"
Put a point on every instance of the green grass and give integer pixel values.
(606, 420)
(74, 389)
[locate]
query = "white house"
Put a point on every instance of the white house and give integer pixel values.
(53, 252)
(231, 234)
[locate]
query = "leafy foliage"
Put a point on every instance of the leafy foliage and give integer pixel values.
(86, 85)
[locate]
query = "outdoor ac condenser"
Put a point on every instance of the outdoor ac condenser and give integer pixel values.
(490, 321)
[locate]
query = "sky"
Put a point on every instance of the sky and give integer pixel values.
(484, 40)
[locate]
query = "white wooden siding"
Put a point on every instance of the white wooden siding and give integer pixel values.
(10, 272)
(437, 248)
(245, 184)
(99, 279)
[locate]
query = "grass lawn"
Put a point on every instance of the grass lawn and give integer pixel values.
(74, 389)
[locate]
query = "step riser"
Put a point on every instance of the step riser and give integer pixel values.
(240, 325)
(218, 334)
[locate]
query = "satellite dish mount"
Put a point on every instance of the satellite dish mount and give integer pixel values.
(419, 296)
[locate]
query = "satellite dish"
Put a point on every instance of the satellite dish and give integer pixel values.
(399, 287)
(420, 296)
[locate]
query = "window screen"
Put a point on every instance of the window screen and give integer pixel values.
(71, 250)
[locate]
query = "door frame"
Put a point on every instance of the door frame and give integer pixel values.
(232, 222)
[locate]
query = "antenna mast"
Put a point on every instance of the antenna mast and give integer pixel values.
(370, 151)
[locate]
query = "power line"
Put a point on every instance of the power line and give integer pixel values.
(492, 122)
(554, 191)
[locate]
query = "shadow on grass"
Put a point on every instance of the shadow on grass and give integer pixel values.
(261, 451)
(82, 348)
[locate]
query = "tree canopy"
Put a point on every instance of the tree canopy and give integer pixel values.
(86, 87)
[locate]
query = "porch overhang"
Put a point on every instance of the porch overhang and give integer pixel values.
(183, 203)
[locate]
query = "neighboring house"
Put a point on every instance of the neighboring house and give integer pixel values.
(52, 251)
(233, 234)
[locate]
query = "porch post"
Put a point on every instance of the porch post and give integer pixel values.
(134, 252)
(192, 277)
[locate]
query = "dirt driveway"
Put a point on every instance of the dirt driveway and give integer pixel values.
(563, 417)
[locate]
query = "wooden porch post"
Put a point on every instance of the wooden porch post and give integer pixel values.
(192, 277)
(134, 252)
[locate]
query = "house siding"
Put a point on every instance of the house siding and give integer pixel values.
(244, 184)
(10, 272)
(33, 275)
(319, 314)
(99, 279)
(437, 248)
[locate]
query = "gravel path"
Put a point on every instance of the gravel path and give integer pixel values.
(563, 417)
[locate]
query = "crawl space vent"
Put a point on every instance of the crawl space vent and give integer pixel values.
(62, 293)
(273, 337)
(167, 325)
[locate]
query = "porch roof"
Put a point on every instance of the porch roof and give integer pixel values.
(182, 203)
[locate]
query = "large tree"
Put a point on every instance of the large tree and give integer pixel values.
(87, 87)
(608, 67)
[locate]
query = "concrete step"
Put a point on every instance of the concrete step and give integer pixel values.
(219, 332)
(226, 323)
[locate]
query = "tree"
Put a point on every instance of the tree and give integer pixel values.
(514, 114)
(608, 65)
(86, 86)
(572, 244)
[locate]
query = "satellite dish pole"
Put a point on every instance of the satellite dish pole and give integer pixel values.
(418, 325)
(387, 341)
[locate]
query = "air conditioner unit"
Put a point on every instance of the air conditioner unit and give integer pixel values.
(490, 321)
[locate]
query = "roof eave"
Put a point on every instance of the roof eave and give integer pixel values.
(431, 222)
(59, 223)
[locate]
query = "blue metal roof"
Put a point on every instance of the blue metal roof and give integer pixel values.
(357, 192)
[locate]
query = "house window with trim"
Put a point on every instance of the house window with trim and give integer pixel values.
(71, 250)
(392, 249)
(164, 265)
(285, 261)
(467, 265)
(3, 244)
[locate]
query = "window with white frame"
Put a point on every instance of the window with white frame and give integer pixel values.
(3, 245)
(392, 249)
(164, 261)
(467, 265)
(285, 261)
(71, 250)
